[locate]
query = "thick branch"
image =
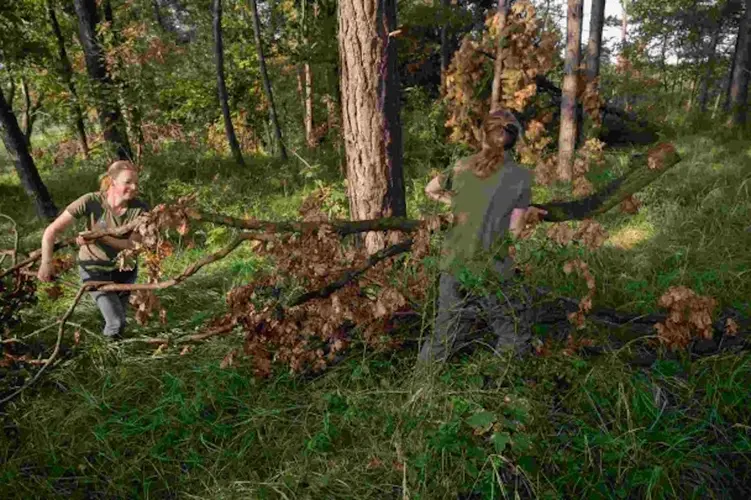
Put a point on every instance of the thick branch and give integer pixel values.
(342, 227)
(652, 166)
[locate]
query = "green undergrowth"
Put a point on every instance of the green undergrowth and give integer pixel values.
(126, 420)
(174, 426)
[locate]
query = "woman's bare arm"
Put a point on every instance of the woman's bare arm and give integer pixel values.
(63, 221)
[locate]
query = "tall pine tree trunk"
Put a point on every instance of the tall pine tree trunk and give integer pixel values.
(66, 71)
(739, 87)
(267, 83)
(370, 112)
(110, 118)
(221, 85)
(496, 94)
(15, 143)
(594, 46)
(567, 135)
(30, 111)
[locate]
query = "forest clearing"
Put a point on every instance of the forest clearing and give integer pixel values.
(289, 175)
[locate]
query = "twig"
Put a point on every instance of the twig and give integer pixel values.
(108, 286)
(55, 352)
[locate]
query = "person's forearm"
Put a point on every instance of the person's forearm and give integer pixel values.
(48, 245)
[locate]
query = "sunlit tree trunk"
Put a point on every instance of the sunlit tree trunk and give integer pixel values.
(221, 85)
(370, 112)
(567, 135)
(15, 144)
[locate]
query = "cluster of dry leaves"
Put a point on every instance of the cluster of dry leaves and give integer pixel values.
(529, 50)
(689, 317)
(308, 336)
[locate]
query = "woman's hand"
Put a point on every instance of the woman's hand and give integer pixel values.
(46, 272)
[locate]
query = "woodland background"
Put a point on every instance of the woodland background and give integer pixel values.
(279, 362)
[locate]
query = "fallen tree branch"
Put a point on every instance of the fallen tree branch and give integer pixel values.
(650, 167)
(350, 275)
(342, 227)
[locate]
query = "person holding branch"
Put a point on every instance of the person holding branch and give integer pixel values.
(490, 198)
(113, 206)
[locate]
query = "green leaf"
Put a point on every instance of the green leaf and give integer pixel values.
(481, 420)
(500, 440)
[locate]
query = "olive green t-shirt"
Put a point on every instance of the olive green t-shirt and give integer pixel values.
(98, 215)
(482, 210)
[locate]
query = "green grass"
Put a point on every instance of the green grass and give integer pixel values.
(125, 421)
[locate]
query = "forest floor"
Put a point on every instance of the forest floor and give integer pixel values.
(123, 420)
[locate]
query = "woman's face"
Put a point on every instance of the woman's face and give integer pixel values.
(125, 184)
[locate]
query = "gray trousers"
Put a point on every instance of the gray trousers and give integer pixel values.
(112, 305)
(509, 316)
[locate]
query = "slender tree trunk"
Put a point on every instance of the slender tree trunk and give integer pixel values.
(733, 63)
(370, 112)
(567, 136)
(15, 143)
(267, 83)
(496, 94)
(110, 118)
(66, 71)
(29, 112)
(594, 47)
(157, 12)
(739, 88)
(221, 85)
(716, 105)
(308, 87)
(445, 48)
(710, 59)
(131, 110)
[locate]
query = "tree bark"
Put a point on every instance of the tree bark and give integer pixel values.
(66, 71)
(15, 143)
(739, 87)
(221, 85)
(567, 135)
(267, 83)
(110, 117)
(370, 112)
(496, 94)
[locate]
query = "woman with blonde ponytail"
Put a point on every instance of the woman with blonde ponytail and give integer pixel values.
(113, 206)
(490, 197)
